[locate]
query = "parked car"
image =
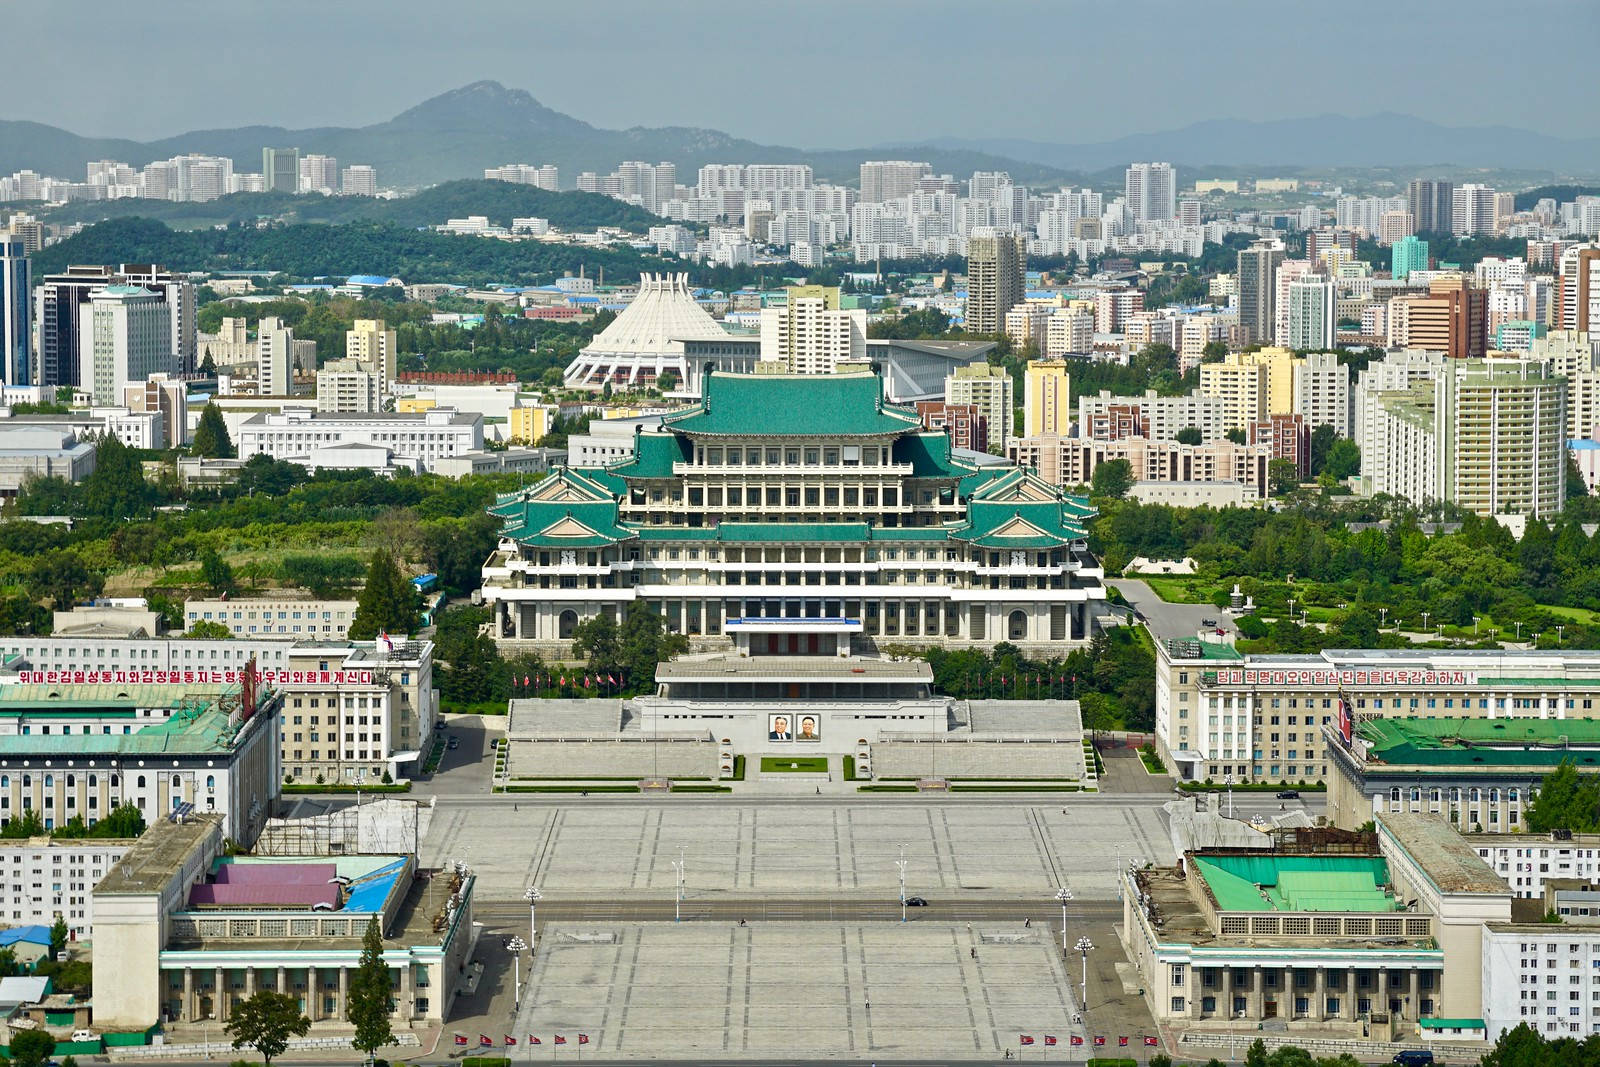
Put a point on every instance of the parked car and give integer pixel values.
(1208, 622)
(83, 1035)
(1414, 1057)
(1288, 794)
(916, 902)
(455, 742)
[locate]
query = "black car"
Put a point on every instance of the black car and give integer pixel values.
(454, 743)
(1289, 794)
(916, 902)
(1413, 1057)
(1208, 622)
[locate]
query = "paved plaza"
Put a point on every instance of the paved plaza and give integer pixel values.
(965, 847)
(664, 990)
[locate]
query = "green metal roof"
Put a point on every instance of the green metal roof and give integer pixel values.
(794, 405)
(1266, 882)
(1462, 742)
(190, 730)
(1452, 1024)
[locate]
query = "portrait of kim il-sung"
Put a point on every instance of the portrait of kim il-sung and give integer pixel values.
(778, 728)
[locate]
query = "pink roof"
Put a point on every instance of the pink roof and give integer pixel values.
(223, 894)
(275, 873)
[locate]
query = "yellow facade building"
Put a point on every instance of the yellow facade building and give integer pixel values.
(1047, 396)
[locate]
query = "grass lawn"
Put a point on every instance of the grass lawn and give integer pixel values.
(795, 764)
(1178, 589)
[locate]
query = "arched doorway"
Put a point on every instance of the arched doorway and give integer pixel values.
(567, 623)
(1017, 626)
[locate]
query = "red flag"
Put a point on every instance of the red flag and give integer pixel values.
(560, 1040)
(461, 1039)
(527, 683)
(1098, 1040)
(483, 1039)
(1025, 1039)
(611, 680)
(583, 1039)
(1049, 1039)
(1123, 1041)
(563, 681)
(1150, 1042)
(534, 1040)
(509, 1039)
(586, 681)
(1076, 1040)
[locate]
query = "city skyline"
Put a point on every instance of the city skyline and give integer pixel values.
(558, 66)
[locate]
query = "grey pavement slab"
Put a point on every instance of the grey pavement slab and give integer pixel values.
(819, 990)
(743, 848)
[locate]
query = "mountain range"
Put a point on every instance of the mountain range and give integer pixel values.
(459, 133)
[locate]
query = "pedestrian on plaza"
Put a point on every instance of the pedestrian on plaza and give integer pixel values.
(1027, 924)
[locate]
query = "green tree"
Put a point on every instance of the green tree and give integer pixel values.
(8, 963)
(124, 821)
(58, 936)
(368, 1002)
(1282, 477)
(1113, 478)
(31, 1048)
(388, 602)
(266, 1022)
(645, 643)
(1189, 435)
(215, 572)
(1344, 459)
(1256, 1054)
(209, 629)
(116, 489)
(211, 438)
(667, 381)
(62, 577)
(1322, 439)
(1566, 800)
(597, 640)
(1214, 352)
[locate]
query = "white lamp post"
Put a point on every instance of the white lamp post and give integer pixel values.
(533, 896)
(901, 864)
(516, 945)
(1084, 947)
(1064, 895)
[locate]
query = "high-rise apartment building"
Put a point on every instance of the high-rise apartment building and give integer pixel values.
(60, 299)
(1069, 330)
(274, 358)
(1453, 318)
(1322, 392)
(1406, 255)
(1257, 272)
(890, 179)
(280, 169)
(1432, 204)
(1311, 313)
(995, 262)
(1288, 271)
(989, 389)
(1580, 288)
(1047, 400)
(16, 313)
(1472, 210)
(318, 174)
(179, 294)
(124, 335)
(1395, 226)
(359, 180)
(370, 342)
(1486, 435)
(1151, 191)
(811, 333)
(1026, 324)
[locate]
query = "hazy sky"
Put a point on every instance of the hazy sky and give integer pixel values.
(816, 73)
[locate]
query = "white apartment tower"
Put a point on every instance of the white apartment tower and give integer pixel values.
(811, 333)
(1151, 190)
(1473, 210)
(359, 180)
(125, 336)
(274, 358)
(1311, 313)
(319, 174)
(890, 179)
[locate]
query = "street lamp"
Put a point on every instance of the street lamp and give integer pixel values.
(1383, 617)
(516, 945)
(1425, 615)
(1519, 633)
(1084, 947)
(677, 902)
(1065, 896)
(901, 863)
(1227, 780)
(1475, 620)
(1559, 635)
(533, 896)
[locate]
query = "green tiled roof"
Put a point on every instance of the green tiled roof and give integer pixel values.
(794, 405)
(192, 731)
(653, 456)
(1461, 742)
(794, 531)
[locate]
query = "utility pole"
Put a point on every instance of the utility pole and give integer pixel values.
(677, 866)
(901, 863)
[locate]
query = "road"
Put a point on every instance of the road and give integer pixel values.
(1166, 620)
(797, 909)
